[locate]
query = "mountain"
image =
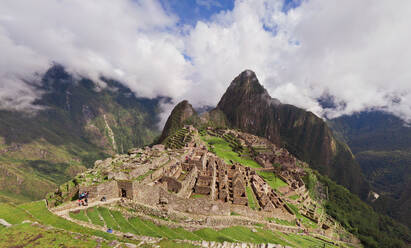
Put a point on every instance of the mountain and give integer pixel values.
(181, 113)
(77, 124)
(381, 143)
(248, 106)
(357, 217)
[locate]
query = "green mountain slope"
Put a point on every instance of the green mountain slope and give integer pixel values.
(381, 143)
(77, 126)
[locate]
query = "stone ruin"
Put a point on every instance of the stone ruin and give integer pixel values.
(187, 173)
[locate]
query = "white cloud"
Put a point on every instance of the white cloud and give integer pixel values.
(356, 51)
(131, 41)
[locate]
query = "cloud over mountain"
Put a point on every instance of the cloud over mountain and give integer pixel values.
(354, 51)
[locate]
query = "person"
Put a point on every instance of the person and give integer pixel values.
(85, 197)
(80, 199)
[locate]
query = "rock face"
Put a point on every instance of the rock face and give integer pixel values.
(181, 113)
(248, 106)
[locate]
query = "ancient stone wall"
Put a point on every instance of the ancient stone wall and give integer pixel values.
(108, 189)
(149, 195)
(125, 189)
(188, 183)
(172, 184)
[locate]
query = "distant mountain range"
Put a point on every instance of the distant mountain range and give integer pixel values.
(77, 125)
(381, 143)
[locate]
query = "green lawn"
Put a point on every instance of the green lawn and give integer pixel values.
(252, 200)
(294, 197)
(282, 222)
(28, 235)
(223, 150)
(39, 211)
(79, 215)
(125, 226)
(94, 216)
(12, 214)
(108, 219)
(272, 180)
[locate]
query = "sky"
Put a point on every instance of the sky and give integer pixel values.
(353, 52)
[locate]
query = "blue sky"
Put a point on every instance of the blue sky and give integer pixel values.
(191, 11)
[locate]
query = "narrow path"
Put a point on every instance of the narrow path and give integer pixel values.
(72, 207)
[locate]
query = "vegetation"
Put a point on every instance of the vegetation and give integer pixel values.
(252, 200)
(31, 235)
(94, 216)
(373, 229)
(79, 215)
(46, 149)
(272, 180)
(381, 143)
(281, 222)
(223, 149)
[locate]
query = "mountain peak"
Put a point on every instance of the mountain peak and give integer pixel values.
(181, 112)
(246, 88)
(247, 81)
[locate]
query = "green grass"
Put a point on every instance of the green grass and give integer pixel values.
(125, 226)
(197, 196)
(272, 180)
(252, 200)
(39, 211)
(294, 197)
(223, 149)
(94, 216)
(282, 222)
(28, 235)
(108, 219)
(306, 222)
(12, 214)
(80, 215)
(142, 228)
(212, 235)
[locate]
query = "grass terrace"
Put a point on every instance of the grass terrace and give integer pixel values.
(223, 149)
(36, 211)
(272, 180)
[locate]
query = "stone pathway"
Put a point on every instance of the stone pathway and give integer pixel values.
(73, 206)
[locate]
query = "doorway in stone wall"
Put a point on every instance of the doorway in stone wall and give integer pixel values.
(123, 193)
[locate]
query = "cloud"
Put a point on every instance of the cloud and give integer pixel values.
(356, 52)
(131, 41)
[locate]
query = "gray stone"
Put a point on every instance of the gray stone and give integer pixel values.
(5, 223)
